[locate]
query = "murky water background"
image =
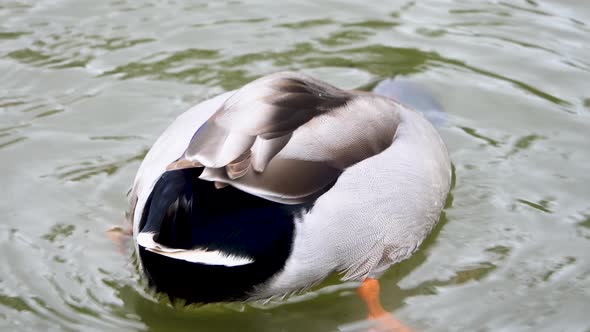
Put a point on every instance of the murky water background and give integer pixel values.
(87, 86)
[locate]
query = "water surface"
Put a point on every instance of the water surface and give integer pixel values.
(87, 86)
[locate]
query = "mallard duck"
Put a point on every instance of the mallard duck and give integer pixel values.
(269, 189)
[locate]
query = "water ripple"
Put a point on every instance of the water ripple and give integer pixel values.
(86, 87)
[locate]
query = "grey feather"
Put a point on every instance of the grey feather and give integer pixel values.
(266, 111)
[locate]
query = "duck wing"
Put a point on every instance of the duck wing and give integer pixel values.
(239, 143)
(287, 137)
(266, 112)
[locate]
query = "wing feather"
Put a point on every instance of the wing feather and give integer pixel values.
(287, 137)
(197, 255)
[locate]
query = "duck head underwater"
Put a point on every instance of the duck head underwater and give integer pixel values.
(269, 189)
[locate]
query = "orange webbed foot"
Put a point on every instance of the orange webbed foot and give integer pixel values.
(119, 235)
(368, 291)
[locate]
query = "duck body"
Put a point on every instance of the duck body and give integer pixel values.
(269, 189)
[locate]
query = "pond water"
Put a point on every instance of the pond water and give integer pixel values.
(87, 86)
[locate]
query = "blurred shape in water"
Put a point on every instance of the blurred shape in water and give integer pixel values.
(415, 96)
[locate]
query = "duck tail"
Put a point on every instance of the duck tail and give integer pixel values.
(167, 219)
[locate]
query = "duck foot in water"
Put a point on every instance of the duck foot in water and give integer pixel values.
(368, 291)
(120, 235)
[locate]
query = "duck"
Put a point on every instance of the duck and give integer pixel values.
(267, 190)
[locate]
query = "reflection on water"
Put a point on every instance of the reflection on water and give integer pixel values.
(86, 87)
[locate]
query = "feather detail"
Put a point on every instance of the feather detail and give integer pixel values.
(284, 180)
(216, 146)
(254, 125)
(220, 185)
(254, 129)
(182, 164)
(296, 133)
(266, 149)
(270, 107)
(197, 255)
(239, 167)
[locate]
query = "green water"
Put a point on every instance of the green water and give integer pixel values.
(87, 86)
